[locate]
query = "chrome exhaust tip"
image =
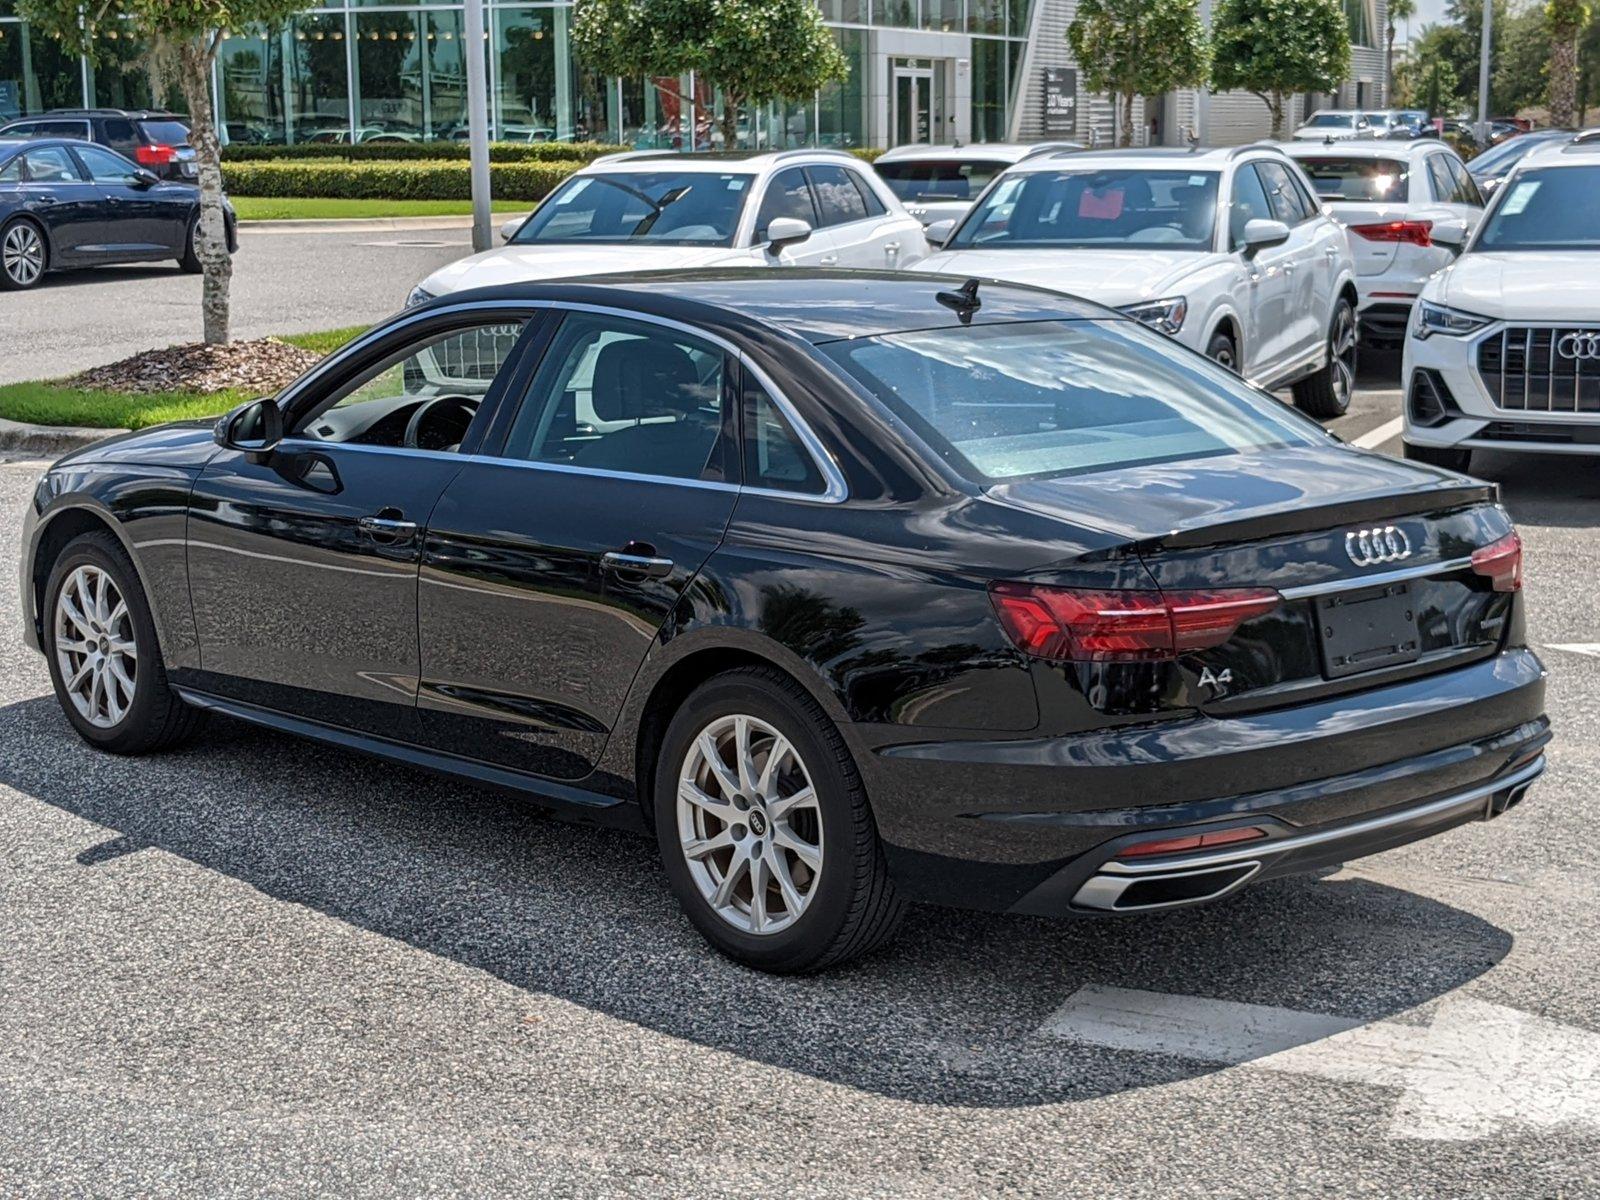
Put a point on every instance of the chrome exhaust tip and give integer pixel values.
(1107, 892)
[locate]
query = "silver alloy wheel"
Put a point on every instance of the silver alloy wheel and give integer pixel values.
(1342, 354)
(96, 651)
(22, 254)
(749, 824)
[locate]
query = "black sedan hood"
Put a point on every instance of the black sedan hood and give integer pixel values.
(181, 444)
(1237, 497)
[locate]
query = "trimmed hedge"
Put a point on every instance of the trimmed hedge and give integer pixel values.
(391, 180)
(502, 152)
(509, 152)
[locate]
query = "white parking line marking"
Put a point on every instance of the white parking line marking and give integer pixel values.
(1592, 649)
(1374, 438)
(1476, 1066)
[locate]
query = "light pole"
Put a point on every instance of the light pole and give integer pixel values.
(1482, 130)
(477, 125)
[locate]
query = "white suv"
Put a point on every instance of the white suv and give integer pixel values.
(1504, 350)
(660, 210)
(938, 183)
(1225, 250)
(1409, 207)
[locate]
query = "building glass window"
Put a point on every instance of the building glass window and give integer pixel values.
(986, 16)
(411, 76)
(988, 90)
(35, 75)
(288, 85)
(843, 106)
(898, 13)
(844, 12)
(1361, 22)
(943, 15)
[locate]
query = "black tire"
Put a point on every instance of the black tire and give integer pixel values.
(1327, 393)
(156, 719)
(1451, 458)
(1223, 351)
(853, 907)
(189, 261)
(24, 256)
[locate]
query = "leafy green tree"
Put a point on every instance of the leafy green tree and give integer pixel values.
(1566, 20)
(755, 51)
(183, 37)
(1437, 87)
(1521, 68)
(1131, 48)
(1275, 48)
(1398, 11)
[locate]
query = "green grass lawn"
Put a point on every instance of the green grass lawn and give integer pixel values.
(52, 403)
(311, 208)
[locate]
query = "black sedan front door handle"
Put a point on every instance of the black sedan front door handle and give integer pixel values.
(647, 565)
(386, 528)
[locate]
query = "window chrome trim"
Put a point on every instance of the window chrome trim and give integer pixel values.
(1399, 575)
(835, 491)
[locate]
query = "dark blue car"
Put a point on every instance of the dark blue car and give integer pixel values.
(67, 204)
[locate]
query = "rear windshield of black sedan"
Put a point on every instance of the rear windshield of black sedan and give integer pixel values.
(1042, 398)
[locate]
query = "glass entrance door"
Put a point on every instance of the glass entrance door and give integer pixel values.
(916, 105)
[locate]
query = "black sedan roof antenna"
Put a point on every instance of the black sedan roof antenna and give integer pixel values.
(964, 300)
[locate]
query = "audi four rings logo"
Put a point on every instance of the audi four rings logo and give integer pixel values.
(1369, 547)
(1580, 346)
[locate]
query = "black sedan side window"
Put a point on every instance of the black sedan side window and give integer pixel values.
(627, 396)
(104, 166)
(774, 457)
(12, 171)
(52, 164)
(422, 397)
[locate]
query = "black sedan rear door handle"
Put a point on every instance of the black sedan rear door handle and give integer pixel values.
(619, 563)
(387, 528)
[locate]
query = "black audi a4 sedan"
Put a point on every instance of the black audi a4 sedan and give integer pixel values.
(857, 589)
(66, 204)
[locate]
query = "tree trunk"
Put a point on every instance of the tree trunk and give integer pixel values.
(1563, 77)
(1388, 67)
(730, 120)
(1276, 105)
(1126, 100)
(194, 77)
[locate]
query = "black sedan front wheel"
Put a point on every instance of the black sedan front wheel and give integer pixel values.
(764, 827)
(189, 260)
(23, 256)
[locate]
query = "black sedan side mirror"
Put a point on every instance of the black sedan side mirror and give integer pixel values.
(142, 179)
(254, 429)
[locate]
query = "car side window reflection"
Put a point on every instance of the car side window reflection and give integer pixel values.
(104, 166)
(626, 396)
(788, 195)
(774, 456)
(423, 397)
(1249, 204)
(51, 164)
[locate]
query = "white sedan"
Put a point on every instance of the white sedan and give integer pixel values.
(1409, 207)
(1227, 251)
(661, 210)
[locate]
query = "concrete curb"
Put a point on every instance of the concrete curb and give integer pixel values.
(371, 224)
(18, 437)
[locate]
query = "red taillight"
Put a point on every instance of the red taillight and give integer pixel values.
(1501, 561)
(1193, 841)
(1417, 233)
(1077, 625)
(155, 156)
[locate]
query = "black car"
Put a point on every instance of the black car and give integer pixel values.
(857, 589)
(157, 141)
(67, 204)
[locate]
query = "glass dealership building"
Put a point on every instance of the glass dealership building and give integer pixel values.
(921, 70)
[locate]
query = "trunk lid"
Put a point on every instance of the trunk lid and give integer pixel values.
(1403, 603)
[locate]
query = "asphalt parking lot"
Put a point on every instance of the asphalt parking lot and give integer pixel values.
(257, 967)
(81, 319)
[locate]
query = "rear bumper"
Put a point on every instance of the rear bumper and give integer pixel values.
(1020, 825)
(1106, 884)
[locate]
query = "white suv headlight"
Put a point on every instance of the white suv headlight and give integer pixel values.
(1452, 322)
(419, 295)
(1165, 315)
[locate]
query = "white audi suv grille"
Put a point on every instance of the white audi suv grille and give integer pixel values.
(1542, 368)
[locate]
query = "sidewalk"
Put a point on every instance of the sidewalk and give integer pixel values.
(373, 224)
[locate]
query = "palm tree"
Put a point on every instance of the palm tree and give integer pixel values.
(1399, 10)
(1566, 19)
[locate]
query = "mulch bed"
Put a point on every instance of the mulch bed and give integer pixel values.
(263, 365)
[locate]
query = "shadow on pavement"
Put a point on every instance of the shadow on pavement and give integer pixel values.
(946, 1015)
(1544, 489)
